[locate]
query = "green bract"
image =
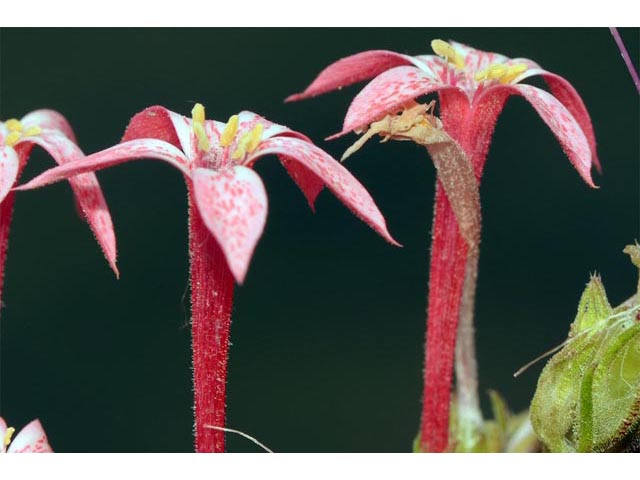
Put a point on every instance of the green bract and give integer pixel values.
(588, 395)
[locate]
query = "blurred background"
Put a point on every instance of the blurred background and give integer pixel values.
(328, 329)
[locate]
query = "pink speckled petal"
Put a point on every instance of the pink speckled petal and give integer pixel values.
(159, 123)
(386, 94)
(123, 152)
(233, 205)
(87, 191)
(310, 184)
(353, 69)
(9, 166)
(333, 174)
(48, 119)
(569, 97)
(563, 125)
(31, 439)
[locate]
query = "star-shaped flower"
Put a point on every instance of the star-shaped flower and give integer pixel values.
(473, 87)
(227, 212)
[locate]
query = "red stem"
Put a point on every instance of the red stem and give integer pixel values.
(6, 212)
(472, 127)
(211, 302)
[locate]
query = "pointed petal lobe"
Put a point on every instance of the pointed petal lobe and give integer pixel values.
(563, 125)
(123, 152)
(352, 69)
(31, 439)
(161, 124)
(233, 205)
(569, 97)
(9, 167)
(335, 176)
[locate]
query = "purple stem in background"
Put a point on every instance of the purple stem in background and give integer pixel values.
(626, 57)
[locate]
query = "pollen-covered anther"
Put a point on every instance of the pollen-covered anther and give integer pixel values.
(32, 131)
(229, 131)
(13, 125)
(446, 51)
(13, 138)
(198, 117)
(7, 436)
(248, 142)
(501, 72)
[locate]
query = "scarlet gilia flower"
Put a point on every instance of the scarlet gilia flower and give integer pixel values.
(51, 131)
(473, 87)
(227, 213)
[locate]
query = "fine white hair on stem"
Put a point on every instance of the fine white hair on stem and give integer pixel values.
(242, 434)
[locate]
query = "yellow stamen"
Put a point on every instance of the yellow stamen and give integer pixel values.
(513, 72)
(7, 436)
(256, 136)
(229, 131)
(197, 113)
(501, 72)
(12, 138)
(203, 140)
(32, 131)
(249, 142)
(13, 125)
(446, 51)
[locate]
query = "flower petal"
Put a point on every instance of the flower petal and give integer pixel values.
(31, 439)
(9, 167)
(310, 184)
(159, 123)
(123, 152)
(86, 189)
(353, 69)
(49, 119)
(335, 176)
(233, 205)
(563, 125)
(387, 93)
(569, 97)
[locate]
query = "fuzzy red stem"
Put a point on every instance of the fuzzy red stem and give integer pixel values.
(472, 127)
(211, 301)
(6, 212)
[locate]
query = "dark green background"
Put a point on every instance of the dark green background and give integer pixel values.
(328, 330)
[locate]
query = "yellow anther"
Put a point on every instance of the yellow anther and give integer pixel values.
(254, 137)
(497, 71)
(12, 138)
(446, 51)
(13, 125)
(249, 142)
(197, 113)
(201, 135)
(513, 72)
(229, 131)
(32, 131)
(7, 436)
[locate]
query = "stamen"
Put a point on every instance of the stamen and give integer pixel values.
(32, 131)
(446, 51)
(203, 140)
(197, 114)
(13, 138)
(13, 125)
(513, 72)
(256, 136)
(7, 436)
(229, 131)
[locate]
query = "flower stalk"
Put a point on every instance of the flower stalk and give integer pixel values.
(212, 287)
